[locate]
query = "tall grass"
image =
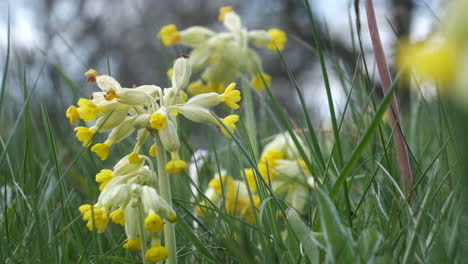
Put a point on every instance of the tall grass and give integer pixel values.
(357, 213)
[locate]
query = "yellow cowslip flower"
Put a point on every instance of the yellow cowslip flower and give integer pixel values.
(271, 157)
(152, 150)
(257, 81)
(92, 74)
(231, 96)
(230, 122)
(268, 173)
(278, 37)
(72, 114)
(158, 121)
(104, 177)
(97, 217)
(85, 134)
(200, 210)
(133, 244)
(223, 11)
(217, 183)
(195, 88)
(153, 222)
(169, 73)
(118, 216)
(176, 166)
(156, 253)
(87, 110)
(433, 59)
(169, 35)
(102, 150)
(250, 175)
(134, 158)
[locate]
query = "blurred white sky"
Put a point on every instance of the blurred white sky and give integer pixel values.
(25, 33)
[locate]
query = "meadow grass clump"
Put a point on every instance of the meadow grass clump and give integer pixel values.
(376, 186)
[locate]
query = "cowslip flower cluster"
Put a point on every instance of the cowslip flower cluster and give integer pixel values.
(128, 198)
(283, 168)
(223, 57)
(148, 109)
(280, 165)
(129, 193)
(236, 197)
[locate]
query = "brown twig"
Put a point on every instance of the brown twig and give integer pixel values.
(393, 112)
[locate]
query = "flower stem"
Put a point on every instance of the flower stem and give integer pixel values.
(249, 115)
(165, 191)
(393, 111)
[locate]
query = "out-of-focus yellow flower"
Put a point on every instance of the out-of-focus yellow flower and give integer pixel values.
(169, 35)
(432, 59)
(223, 11)
(278, 37)
(230, 122)
(257, 81)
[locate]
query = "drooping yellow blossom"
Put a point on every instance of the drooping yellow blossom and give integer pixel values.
(432, 59)
(102, 150)
(169, 35)
(223, 11)
(158, 121)
(118, 216)
(104, 177)
(230, 122)
(200, 209)
(257, 81)
(217, 184)
(91, 74)
(250, 175)
(169, 73)
(156, 253)
(231, 96)
(97, 218)
(152, 150)
(87, 110)
(134, 158)
(278, 37)
(271, 157)
(196, 88)
(268, 173)
(72, 114)
(133, 244)
(176, 166)
(153, 222)
(85, 134)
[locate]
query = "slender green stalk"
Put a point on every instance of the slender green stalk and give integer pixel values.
(165, 191)
(249, 115)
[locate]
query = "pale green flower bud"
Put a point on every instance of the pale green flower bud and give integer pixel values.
(232, 22)
(259, 37)
(197, 113)
(124, 167)
(141, 121)
(206, 100)
(195, 36)
(110, 120)
(132, 96)
(107, 83)
(169, 137)
(122, 131)
(199, 57)
(182, 72)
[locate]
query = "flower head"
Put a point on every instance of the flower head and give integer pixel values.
(278, 39)
(169, 35)
(258, 81)
(72, 114)
(230, 122)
